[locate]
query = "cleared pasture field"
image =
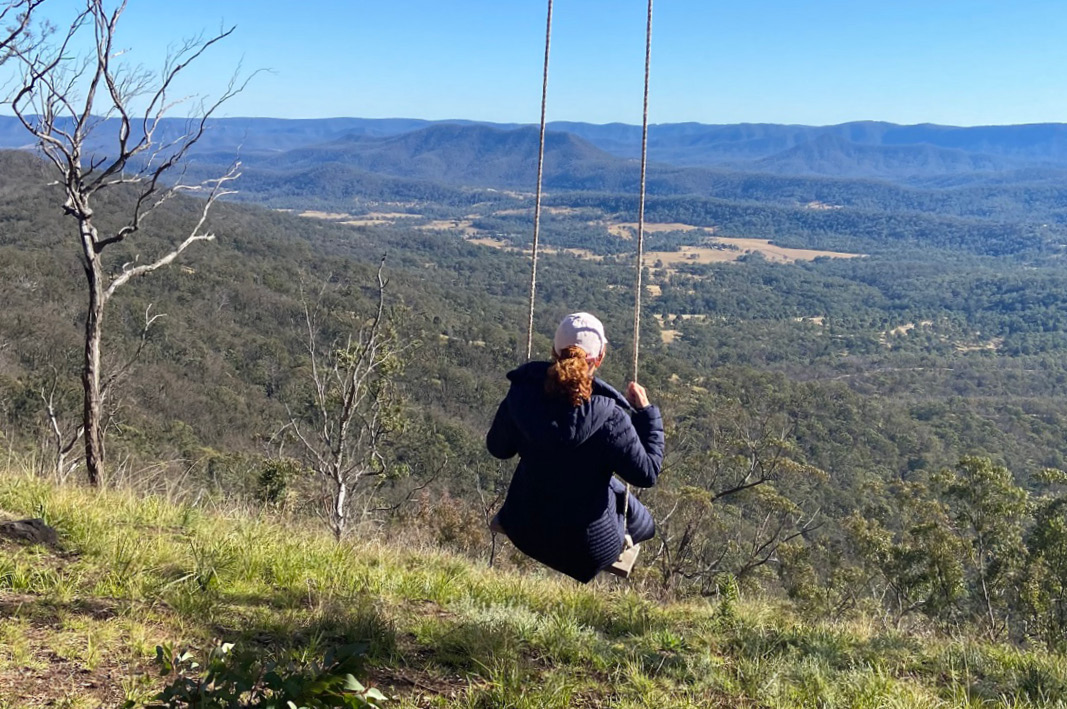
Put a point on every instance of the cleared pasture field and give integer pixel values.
(628, 230)
(738, 247)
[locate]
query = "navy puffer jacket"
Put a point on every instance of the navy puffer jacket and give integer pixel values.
(560, 509)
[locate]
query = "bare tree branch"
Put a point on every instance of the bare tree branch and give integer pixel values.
(217, 191)
(124, 369)
(19, 14)
(62, 442)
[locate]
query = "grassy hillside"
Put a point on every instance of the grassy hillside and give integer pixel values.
(80, 624)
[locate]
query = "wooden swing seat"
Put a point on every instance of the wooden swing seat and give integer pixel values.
(624, 565)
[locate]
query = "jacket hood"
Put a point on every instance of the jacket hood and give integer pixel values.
(549, 421)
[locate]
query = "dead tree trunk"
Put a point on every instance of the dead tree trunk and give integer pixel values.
(94, 404)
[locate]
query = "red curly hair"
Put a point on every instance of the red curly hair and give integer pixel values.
(571, 376)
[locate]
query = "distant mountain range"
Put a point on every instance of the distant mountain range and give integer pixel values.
(686, 158)
(454, 154)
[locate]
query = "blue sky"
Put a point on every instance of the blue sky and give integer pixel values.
(815, 62)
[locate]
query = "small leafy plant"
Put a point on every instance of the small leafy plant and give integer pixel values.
(229, 680)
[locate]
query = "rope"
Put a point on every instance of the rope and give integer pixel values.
(640, 226)
(641, 204)
(540, 175)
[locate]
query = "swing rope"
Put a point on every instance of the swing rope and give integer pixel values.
(540, 176)
(641, 202)
(641, 224)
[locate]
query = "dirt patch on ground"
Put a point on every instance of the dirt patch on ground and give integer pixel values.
(902, 330)
(65, 653)
(682, 316)
(670, 260)
(782, 254)
(391, 215)
(665, 333)
(46, 679)
(529, 212)
(731, 250)
(580, 253)
(991, 346)
(669, 336)
(490, 241)
(380, 219)
(668, 333)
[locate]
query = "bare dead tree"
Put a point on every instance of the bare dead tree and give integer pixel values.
(766, 537)
(414, 490)
(352, 408)
(64, 99)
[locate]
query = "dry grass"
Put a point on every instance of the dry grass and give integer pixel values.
(729, 249)
(667, 335)
(491, 242)
(990, 346)
(368, 219)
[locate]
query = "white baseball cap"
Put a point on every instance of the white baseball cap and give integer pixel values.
(583, 330)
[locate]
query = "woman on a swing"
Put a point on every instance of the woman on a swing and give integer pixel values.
(571, 432)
